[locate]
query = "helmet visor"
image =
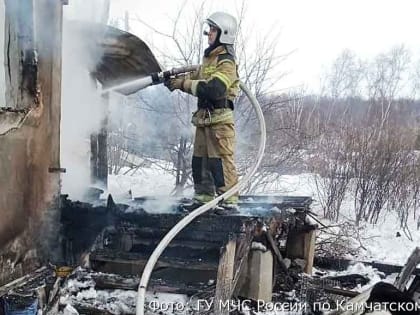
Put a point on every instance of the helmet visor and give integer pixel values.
(210, 23)
(209, 28)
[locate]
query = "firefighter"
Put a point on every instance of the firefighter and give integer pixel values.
(216, 84)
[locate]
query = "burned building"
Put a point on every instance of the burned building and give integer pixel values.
(39, 225)
(30, 165)
(29, 131)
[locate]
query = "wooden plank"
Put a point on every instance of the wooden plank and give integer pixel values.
(225, 277)
(49, 47)
(98, 260)
(115, 282)
(408, 269)
(276, 251)
(102, 146)
(20, 58)
(185, 235)
(295, 244)
(414, 286)
(208, 223)
(351, 304)
(90, 309)
(5, 289)
(193, 244)
(309, 251)
(241, 256)
(108, 283)
(347, 293)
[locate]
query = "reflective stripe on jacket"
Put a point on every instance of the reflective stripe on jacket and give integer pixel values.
(216, 84)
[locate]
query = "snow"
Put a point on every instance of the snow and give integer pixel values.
(81, 291)
(383, 245)
(365, 270)
(153, 181)
(290, 185)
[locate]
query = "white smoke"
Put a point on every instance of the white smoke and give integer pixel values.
(2, 69)
(82, 106)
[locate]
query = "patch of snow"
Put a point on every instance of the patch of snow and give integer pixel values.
(382, 243)
(153, 181)
(70, 310)
(290, 185)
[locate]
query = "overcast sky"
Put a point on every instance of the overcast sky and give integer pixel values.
(318, 30)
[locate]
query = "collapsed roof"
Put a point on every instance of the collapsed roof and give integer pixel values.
(118, 56)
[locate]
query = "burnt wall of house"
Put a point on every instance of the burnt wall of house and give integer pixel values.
(30, 142)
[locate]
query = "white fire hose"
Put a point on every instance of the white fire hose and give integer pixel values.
(204, 208)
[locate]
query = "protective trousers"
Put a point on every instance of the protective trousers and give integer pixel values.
(213, 166)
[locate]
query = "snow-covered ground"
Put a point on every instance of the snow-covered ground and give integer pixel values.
(152, 181)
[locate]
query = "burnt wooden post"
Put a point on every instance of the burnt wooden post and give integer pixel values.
(301, 244)
(225, 277)
(103, 146)
(243, 246)
(21, 60)
(99, 149)
(405, 274)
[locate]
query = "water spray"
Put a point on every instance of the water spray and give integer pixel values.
(152, 79)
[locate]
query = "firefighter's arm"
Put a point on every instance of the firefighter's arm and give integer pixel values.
(193, 75)
(217, 85)
(178, 82)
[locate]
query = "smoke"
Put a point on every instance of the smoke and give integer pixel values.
(82, 106)
(2, 70)
(163, 204)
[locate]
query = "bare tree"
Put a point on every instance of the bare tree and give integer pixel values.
(366, 139)
(257, 66)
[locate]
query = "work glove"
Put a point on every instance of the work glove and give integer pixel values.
(175, 84)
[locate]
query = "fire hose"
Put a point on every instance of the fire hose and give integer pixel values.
(157, 78)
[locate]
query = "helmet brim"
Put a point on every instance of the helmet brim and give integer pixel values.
(211, 23)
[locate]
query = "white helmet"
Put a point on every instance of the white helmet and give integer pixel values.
(227, 25)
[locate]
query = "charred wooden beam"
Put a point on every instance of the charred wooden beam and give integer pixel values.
(115, 282)
(90, 309)
(103, 262)
(20, 282)
(108, 283)
(99, 150)
(209, 223)
(21, 59)
(408, 269)
(276, 251)
(241, 256)
(185, 235)
(342, 292)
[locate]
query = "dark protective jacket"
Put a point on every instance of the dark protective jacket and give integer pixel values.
(216, 84)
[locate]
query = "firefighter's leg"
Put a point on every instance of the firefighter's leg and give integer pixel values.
(221, 146)
(204, 189)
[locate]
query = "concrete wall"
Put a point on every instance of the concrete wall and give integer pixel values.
(29, 147)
